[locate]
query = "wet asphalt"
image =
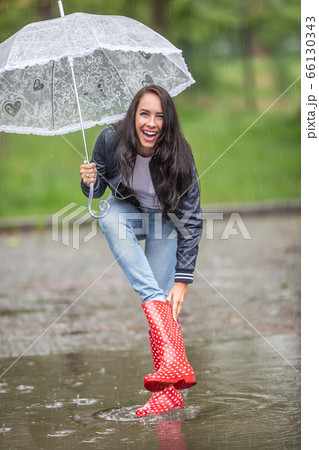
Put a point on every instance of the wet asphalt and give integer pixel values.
(74, 346)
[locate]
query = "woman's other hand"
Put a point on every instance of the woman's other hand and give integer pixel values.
(177, 294)
(88, 173)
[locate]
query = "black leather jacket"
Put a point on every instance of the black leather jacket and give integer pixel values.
(186, 219)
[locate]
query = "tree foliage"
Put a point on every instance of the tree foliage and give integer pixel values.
(205, 30)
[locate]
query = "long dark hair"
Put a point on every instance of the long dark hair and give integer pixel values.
(174, 159)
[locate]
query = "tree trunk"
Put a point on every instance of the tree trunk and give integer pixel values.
(44, 10)
(248, 68)
(158, 13)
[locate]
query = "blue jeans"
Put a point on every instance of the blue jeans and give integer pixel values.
(150, 273)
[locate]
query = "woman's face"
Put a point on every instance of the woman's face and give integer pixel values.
(148, 122)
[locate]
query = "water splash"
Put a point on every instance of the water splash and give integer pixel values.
(3, 389)
(25, 389)
(4, 429)
(61, 433)
(107, 431)
(127, 414)
(54, 405)
(84, 401)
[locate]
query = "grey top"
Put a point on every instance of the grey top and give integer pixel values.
(142, 184)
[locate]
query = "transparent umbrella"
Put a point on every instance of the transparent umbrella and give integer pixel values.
(82, 70)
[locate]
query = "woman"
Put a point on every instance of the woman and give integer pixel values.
(149, 167)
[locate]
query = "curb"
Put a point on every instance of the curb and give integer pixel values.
(291, 206)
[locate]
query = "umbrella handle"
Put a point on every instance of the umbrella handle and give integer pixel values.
(103, 205)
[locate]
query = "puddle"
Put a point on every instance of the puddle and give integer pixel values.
(250, 403)
(80, 384)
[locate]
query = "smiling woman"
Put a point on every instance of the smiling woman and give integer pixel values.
(172, 166)
(148, 123)
(149, 167)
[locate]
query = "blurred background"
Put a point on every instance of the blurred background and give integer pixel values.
(243, 55)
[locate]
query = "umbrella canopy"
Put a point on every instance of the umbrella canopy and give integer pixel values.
(113, 58)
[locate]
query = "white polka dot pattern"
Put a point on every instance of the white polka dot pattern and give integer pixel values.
(163, 400)
(175, 369)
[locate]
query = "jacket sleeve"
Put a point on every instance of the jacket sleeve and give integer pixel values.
(104, 160)
(189, 225)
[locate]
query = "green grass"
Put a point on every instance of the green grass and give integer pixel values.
(264, 164)
(40, 175)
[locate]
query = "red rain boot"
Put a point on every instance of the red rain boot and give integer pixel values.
(163, 400)
(175, 370)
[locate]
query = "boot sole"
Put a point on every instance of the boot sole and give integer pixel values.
(160, 385)
(184, 384)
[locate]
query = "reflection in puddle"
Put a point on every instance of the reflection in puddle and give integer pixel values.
(170, 436)
(167, 426)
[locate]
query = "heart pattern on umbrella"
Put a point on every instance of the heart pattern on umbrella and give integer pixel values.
(12, 109)
(146, 55)
(37, 85)
(147, 80)
(38, 96)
